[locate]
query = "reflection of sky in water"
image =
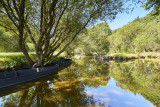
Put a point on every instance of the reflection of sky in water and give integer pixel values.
(0, 101)
(114, 96)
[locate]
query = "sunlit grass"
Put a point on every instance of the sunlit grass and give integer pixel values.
(124, 55)
(150, 54)
(14, 60)
(13, 53)
(17, 59)
(127, 55)
(10, 55)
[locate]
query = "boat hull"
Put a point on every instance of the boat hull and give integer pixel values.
(13, 78)
(8, 82)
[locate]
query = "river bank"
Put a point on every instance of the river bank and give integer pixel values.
(124, 56)
(16, 60)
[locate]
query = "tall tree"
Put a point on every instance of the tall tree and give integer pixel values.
(152, 4)
(95, 39)
(51, 25)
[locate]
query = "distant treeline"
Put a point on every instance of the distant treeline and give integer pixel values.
(9, 42)
(140, 35)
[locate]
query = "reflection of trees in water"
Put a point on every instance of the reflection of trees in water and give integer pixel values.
(67, 89)
(44, 96)
(93, 73)
(30, 96)
(141, 77)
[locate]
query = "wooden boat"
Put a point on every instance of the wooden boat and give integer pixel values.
(8, 79)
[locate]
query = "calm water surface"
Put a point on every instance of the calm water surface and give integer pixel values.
(88, 82)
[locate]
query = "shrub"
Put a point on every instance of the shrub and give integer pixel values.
(15, 62)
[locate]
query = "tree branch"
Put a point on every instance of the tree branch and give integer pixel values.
(41, 17)
(8, 14)
(60, 18)
(30, 35)
(75, 35)
(15, 6)
(11, 10)
(9, 28)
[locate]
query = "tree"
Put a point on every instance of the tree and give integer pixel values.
(8, 42)
(148, 4)
(95, 39)
(140, 35)
(121, 40)
(51, 25)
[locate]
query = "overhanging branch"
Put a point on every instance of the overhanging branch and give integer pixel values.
(8, 13)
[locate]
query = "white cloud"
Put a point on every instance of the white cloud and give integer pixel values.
(129, 103)
(115, 92)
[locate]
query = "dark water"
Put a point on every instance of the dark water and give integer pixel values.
(88, 82)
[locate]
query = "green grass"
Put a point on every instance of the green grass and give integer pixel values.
(16, 60)
(146, 55)
(150, 54)
(14, 54)
(124, 55)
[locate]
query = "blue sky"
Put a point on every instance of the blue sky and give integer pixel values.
(124, 18)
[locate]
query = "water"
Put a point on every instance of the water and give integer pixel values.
(88, 82)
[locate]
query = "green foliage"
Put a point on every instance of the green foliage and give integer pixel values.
(148, 4)
(14, 60)
(52, 25)
(58, 58)
(94, 40)
(30, 47)
(141, 35)
(8, 42)
(124, 55)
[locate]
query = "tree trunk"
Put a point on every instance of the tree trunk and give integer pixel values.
(24, 51)
(23, 98)
(20, 27)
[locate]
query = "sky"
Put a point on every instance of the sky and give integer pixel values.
(124, 18)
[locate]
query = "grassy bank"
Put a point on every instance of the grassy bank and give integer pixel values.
(136, 56)
(124, 55)
(16, 60)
